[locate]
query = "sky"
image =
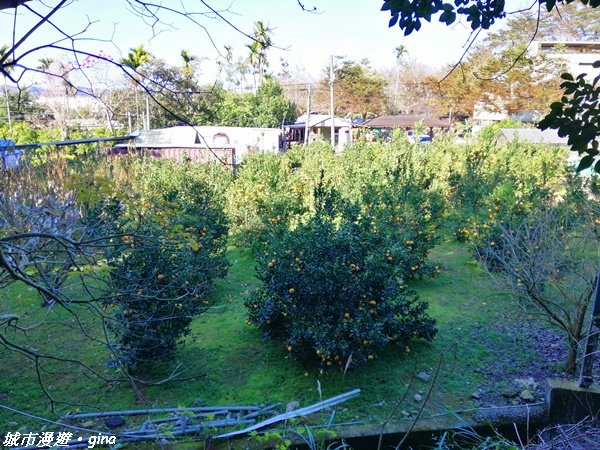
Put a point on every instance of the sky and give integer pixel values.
(356, 29)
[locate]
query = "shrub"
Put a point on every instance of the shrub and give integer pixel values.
(334, 288)
(595, 185)
(509, 206)
(159, 288)
(169, 245)
(266, 192)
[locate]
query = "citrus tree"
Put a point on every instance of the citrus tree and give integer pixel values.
(334, 288)
(169, 249)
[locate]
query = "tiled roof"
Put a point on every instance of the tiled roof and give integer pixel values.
(405, 122)
(534, 135)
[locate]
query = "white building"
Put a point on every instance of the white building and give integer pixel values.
(319, 128)
(577, 55)
(206, 143)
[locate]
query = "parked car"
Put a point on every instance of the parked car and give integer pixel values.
(423, 139)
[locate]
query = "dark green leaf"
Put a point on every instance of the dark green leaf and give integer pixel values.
(585, 163)
(567, 76)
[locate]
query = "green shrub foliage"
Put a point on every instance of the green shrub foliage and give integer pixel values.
(334, 288)
(169, 246)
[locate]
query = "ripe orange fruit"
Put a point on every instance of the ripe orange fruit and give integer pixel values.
(370, 357)
(160, 277)
(373, 303)
(346, 315)
(292, 291)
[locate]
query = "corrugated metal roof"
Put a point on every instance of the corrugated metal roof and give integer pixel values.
(534, 135)
(171, 137)
(321, 120)
(402, 121)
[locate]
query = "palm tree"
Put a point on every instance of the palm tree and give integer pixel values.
(253, 60)
(136, 58)
(399, 52)
(5, 71)
(69, 89)
(258, 51)
(45, 64)
(243, 70)
(188, 67)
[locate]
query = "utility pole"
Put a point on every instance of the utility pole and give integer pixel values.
(396, 88)
(307, 127)
(331, 103)
(147, 113)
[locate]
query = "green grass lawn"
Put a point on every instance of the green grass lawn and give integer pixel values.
(225, 361)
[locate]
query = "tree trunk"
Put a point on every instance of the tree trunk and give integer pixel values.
(396, 108)
(575, 330)
(7, 106)
(571, 361)
(109, 120)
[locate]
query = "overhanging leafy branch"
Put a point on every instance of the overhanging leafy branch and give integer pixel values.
(578, 117)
